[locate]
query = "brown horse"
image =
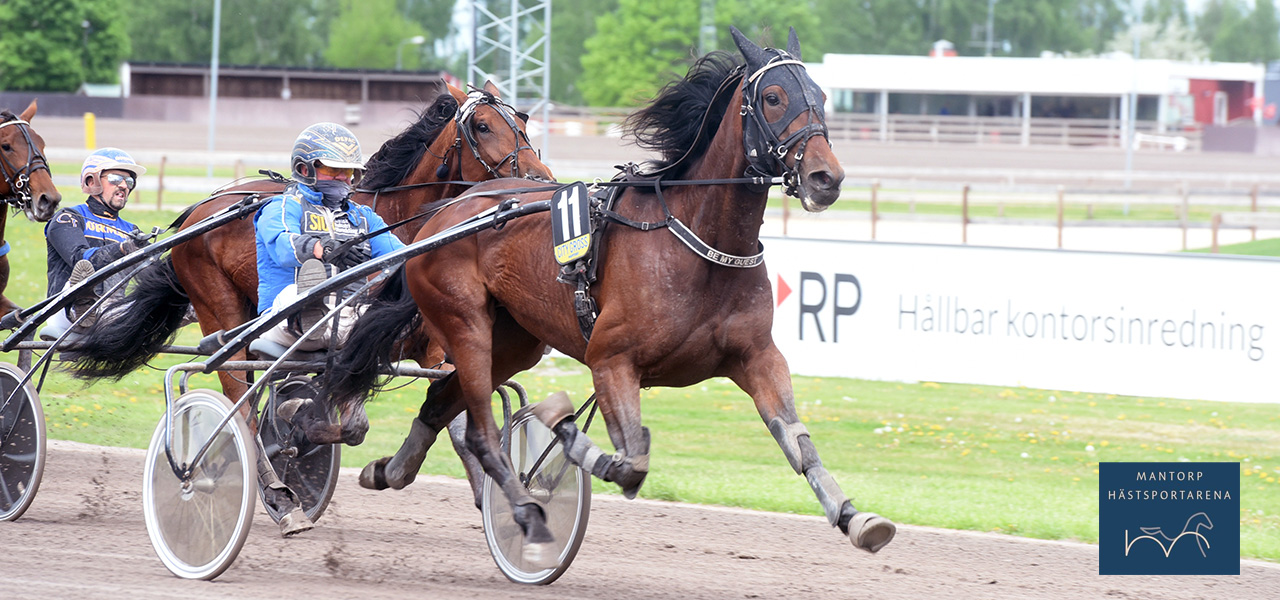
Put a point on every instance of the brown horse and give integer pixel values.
(666, 316)
(27, 183)
(459, 138)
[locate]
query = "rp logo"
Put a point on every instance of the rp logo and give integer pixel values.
(813, 290)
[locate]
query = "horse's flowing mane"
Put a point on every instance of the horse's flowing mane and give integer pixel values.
(399, 155)
(670, 124)
(6, 116)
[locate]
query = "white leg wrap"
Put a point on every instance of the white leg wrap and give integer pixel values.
(829, 494)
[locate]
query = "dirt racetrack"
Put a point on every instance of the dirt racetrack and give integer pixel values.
(84, 538)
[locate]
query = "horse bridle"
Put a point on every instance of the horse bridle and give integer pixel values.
(766, 151)
(19, 180)
(509, 114)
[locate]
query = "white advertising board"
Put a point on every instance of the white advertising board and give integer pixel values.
(1178, 326)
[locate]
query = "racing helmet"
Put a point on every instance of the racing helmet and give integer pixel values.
(107, 159)
(328, 144)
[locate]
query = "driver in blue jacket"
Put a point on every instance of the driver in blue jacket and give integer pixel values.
(301, 231)
(86, 237)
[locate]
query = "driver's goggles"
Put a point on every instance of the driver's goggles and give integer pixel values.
(336, 173)
(117, 179)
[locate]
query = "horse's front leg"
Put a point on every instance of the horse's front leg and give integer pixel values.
(767, 380)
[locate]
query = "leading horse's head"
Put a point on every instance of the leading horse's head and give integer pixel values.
(27, 183)
(784, 126)
(494, 133)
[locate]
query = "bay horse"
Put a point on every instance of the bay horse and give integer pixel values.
(459, 138)
(666, 316)
(27, 183)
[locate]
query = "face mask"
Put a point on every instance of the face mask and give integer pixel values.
(334, 191)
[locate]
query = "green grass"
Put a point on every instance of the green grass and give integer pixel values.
(948, 204)
(1010, 460)
(1267, 247)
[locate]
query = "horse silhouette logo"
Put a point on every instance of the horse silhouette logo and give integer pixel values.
(1196, 523)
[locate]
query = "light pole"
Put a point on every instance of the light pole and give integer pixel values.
(991, 12)
(416, 40)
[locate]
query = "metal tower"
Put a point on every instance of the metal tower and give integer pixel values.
(511, 45)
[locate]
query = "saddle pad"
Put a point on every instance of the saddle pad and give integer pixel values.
(571, 224)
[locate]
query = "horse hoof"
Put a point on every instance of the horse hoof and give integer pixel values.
(354, 436)
(556, 408)
(295, 522)
(870, 531)
(374, 475)
(540, 556)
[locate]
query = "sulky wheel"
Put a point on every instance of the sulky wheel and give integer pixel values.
(563, 490)
(198, 524)
(22, 443)
(310, 470)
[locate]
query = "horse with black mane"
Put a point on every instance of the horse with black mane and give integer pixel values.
(663, 315)
(459, 138)
(27, 184)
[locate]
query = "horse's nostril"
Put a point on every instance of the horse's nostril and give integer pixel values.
(821, 180)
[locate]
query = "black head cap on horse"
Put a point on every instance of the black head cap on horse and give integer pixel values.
(777, 79)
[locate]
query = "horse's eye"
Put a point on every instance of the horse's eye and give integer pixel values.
(482, 127)
(6, 147)
(772, 99)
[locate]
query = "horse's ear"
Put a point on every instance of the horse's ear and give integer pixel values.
(30, 112)
(754, 54)
(492, 89)
(793, 44)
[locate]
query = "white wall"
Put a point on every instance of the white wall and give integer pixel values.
(1181, 326)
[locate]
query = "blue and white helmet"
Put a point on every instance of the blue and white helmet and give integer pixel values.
(328, 144)
(107, 159)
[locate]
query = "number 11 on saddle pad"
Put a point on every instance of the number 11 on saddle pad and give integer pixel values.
(570, 223)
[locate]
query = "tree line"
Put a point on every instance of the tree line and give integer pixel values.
(603, 52)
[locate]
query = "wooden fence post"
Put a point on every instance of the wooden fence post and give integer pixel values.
(964, 216)
(239, 169)
(786, 214)
(875, 213)
(1186, 210)
(1253, 206)
(160, 182)
(1061, 210)
(1217, 222)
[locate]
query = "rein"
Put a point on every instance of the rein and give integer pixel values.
(19, 180)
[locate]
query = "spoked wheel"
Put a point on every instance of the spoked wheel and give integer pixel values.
(310, 470)
(564, 491)
(22, 443)
(198, 525)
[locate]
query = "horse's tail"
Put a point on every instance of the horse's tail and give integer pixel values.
(133, 330)
(374, 343)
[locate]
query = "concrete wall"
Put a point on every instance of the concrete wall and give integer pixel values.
(294, 113)
(1245, 139)
(63, 105)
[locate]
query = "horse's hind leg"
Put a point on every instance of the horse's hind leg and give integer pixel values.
(442, 404)
(766, 379)
(617, 392)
